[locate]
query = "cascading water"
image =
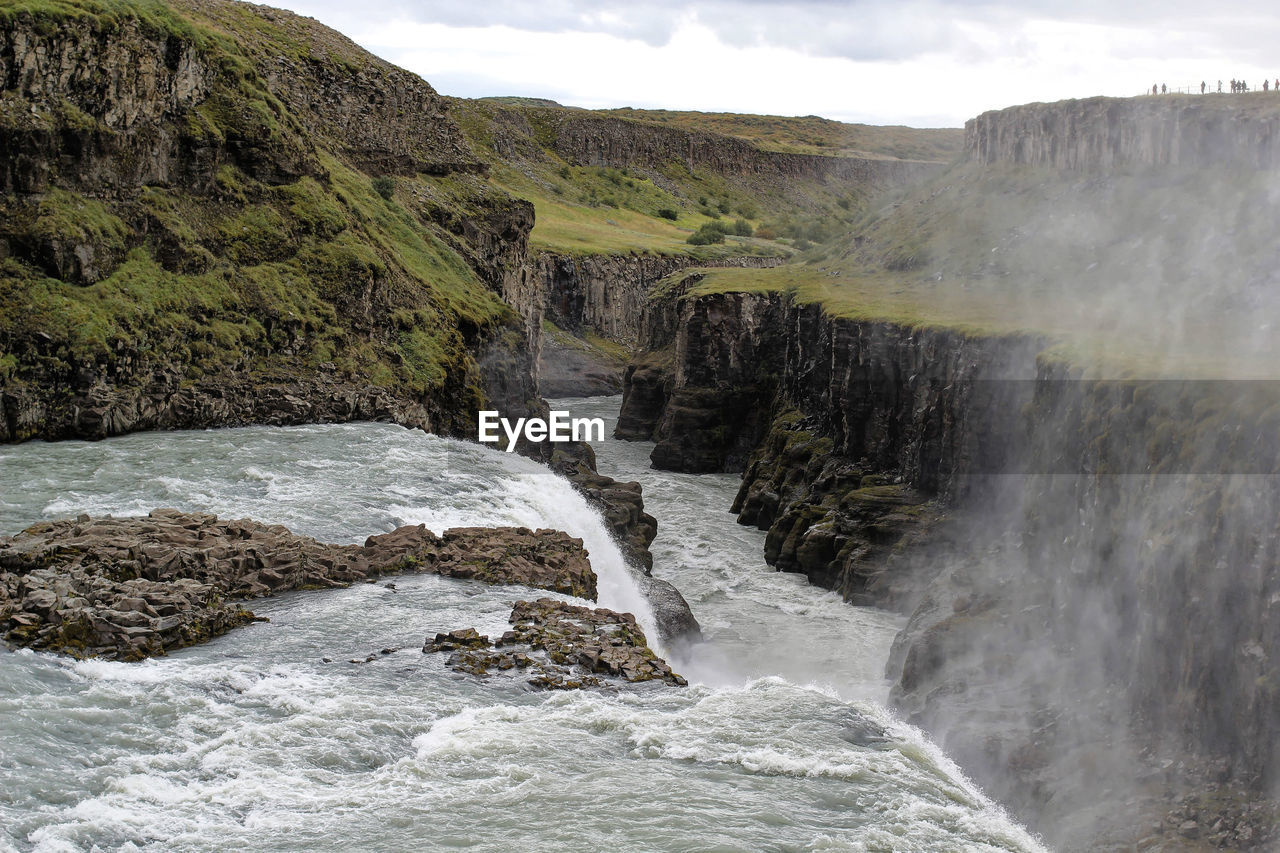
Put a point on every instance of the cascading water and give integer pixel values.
(273, 737)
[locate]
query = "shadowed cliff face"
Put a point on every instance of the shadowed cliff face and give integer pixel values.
(1089, 564)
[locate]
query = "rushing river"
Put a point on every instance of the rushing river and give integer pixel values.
(254, 742)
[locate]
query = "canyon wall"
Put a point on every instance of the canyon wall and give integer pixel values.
(609, 294)
(1103, 133)
(194, 235)
(1089, 567)
(591, 140)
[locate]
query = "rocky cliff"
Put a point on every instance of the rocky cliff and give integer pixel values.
(602, 302)
(704, 396)
(1102, 133)
(191, 214)
(1066, 549)
(609, 294)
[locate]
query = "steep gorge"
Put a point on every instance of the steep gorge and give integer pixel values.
(1089, 565)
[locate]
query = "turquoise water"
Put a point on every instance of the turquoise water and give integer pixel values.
(253, 741)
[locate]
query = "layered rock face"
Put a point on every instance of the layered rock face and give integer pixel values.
(219, 188)
(1102, 133)
(608, 297)
(705, 402)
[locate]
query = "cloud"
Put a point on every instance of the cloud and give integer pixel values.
(860, 30)
(881, 61)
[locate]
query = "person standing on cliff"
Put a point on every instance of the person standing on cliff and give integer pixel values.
(1219, 87)
(1163, 89)
(1202, 87)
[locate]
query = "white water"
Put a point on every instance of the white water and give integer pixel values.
(252, 741)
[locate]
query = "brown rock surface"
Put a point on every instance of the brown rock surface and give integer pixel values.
(134, 587)
(560, 646)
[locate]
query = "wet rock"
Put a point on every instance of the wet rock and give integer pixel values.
(134, 587)
(463, 638)
(561, 646)
(547, 559)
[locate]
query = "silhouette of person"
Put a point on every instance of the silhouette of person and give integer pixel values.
(1219, 87)
(1154, 90)
(1202, 87)
(1163, 90)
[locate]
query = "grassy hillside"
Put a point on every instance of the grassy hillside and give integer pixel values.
(584, 209)
(1152, 271)
(815, 135)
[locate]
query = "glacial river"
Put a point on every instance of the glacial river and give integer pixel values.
(254, 742)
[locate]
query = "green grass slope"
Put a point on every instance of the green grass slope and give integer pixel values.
(1144, 271)
(814, 134)
(266, 246)
(607, 206)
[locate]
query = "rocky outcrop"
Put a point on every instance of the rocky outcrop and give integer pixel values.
(833, 519)
(135, 102)
(621, 504)
(136, 587)
(609, 294)
(606, 298)
(646, 387)
(559, 646)
(233, 179)
(710, 408)
(1102, 133)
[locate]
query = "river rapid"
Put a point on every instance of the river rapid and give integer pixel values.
(254, 742)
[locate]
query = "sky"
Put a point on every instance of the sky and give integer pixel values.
(924, 63)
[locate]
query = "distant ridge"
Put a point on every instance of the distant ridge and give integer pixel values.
(520, 101)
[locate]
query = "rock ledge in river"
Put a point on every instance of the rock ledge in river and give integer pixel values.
(130, 588)
(562, 647)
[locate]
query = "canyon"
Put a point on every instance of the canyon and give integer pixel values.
(1066, 636)
(1065, 547)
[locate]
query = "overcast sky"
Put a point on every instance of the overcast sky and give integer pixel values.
(926, 63)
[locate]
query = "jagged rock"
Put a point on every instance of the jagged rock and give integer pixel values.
(463, 638)
(560, 646)
(501, 555)
(134, 587)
